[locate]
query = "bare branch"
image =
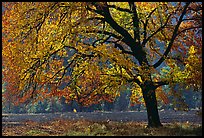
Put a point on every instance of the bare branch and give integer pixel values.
(145, 25)
(196, 27)
(173, 37)
(158, 30)
(104, 32)
(119, 8)
(104, 40)
(122, 49)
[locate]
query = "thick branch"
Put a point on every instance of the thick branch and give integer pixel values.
(160, 83)
(135, 22)
(104, 11)
(135, 47)
(127, 37)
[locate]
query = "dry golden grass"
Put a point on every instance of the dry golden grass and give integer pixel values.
(90, 128)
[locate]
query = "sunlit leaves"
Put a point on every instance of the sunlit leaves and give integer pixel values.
(136, 96)
(73, 43)
(191, 74)
(194, 69)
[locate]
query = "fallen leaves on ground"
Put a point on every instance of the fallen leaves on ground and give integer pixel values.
(84, 127)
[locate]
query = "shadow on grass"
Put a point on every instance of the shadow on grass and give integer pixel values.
(184, 129)
(135, 129)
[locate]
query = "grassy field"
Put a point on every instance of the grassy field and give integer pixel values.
(93, 128)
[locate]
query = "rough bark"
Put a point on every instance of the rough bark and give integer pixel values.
(149, 96)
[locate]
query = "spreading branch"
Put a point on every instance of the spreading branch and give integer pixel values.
(158, 30)
(119, 8)
(158, 63)
(145, 26)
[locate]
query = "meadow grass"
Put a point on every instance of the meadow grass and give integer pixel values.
(100, 128)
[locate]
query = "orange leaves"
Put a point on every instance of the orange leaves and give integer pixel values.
(185, 25)
(89, 85)
(162, 95)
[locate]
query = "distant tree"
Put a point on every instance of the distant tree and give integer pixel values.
(122, 102)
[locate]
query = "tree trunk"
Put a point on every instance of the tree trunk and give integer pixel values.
(151, 105)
